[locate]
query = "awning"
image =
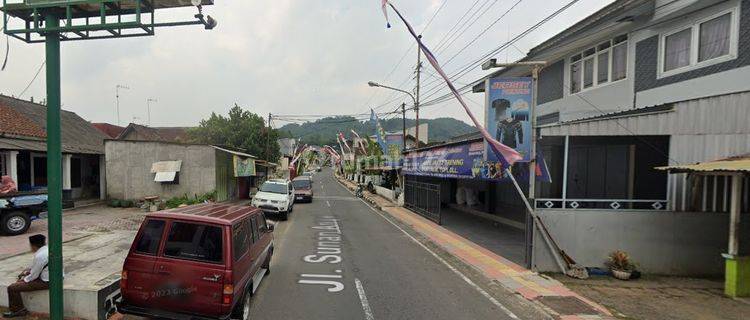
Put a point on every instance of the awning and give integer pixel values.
(236, 153)
(733, 164)
(166, 171)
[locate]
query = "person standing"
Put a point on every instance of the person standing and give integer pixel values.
(35, 278)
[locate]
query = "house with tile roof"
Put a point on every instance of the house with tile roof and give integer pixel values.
(137, 132)
(23, 149)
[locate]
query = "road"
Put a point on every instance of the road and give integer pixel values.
(382, 272)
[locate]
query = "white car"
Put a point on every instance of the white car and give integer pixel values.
(275, 197)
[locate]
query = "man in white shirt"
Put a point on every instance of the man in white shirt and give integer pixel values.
(33, 279)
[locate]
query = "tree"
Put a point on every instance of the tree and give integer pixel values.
(242, 129)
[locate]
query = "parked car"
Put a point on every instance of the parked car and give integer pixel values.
(275, 196)
(308, 174)
(18, 210)
(197, 262)
(303, 191)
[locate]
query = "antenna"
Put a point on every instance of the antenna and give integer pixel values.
(117, 95)
(148, 108)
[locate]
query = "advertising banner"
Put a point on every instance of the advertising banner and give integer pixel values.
(507, 114)
(243, 167)
(462, 161)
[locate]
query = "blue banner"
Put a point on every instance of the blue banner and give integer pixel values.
(507, 114)
(462, 161)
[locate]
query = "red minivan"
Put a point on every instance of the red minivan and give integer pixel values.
(198, 262)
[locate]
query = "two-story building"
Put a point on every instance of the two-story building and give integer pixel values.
(637, 85)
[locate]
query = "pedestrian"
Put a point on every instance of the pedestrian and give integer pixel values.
(34, 278)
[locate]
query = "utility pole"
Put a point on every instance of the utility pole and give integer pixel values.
(403, 116)
(268, 139)
(416, 100)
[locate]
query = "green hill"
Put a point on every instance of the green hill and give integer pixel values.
(323, 131)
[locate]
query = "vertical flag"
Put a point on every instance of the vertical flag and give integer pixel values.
(507, 155)
(361, 144)
(542, 171)
(343, 140)
(379, 132)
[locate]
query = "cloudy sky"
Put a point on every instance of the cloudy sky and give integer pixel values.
(283, 56)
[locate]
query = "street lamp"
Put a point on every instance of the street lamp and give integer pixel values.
(414, 100)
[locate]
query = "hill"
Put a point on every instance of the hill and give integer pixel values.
(323, 131)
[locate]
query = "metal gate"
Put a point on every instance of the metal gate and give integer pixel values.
(424, 199)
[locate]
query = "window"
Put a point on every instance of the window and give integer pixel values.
(197, 242)
(714, 38)
(262, 225)
(150, 238)
(302, 184)
(254, 224)
(677, 50)
(605, 63)
(575, 75)
(274, 188)
(3, 169)
(240, 239)
(708, 41)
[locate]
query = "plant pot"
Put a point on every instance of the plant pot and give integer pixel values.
(621, 274)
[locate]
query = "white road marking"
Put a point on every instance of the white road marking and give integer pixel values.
(328, 203)
(363, 299)
(461, 275)
(334, 276)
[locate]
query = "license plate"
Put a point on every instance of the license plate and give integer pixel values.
(300, 198)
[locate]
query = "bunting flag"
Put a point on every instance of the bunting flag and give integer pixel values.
(341, 136)
(507, 155)
(385, 12)
(542, 171)
(379, 131)
(361, 144)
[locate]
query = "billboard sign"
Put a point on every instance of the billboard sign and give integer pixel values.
(394, 144)
(507, 114)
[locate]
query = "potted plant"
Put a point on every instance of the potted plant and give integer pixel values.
(621, 265)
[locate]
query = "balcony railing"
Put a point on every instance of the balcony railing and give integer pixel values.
(599, 204)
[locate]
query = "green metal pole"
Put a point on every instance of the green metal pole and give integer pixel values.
(54, 169)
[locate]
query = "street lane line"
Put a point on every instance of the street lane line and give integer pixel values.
(363, 299)
(328, 203)
(456, 271)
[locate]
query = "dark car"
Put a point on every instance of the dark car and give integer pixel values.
(303, 191)
(197, 262)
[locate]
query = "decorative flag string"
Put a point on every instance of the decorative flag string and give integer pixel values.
(507, 155)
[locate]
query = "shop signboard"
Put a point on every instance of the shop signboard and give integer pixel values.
(461, 161)
(243, 167)
(507, 114)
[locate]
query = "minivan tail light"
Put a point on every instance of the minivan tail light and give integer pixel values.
(124, 279)
(228, 294)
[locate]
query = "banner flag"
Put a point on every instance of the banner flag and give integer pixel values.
(379, 131)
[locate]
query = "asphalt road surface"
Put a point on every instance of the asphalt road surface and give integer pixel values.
(337, 258)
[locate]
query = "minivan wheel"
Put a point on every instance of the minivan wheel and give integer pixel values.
(242, 311)
(267, 264)
(15, 223)
(284, 216)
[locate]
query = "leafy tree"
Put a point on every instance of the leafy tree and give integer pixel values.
(241, 129)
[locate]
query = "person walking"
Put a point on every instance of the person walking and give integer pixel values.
(35, 278)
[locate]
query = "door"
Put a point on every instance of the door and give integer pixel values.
(140, 263)
(191, 268)
(265, 237)
(242, 241)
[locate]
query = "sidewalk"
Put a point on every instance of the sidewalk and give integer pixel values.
(552, 295)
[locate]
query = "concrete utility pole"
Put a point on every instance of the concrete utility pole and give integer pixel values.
(403, 137)
(416, 100)
(148, 108)
(268, 139)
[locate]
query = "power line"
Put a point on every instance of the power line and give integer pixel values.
(33, 79)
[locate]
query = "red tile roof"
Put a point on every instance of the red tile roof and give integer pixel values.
(15, 123)
(110, 130)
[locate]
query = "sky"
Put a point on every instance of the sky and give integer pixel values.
(284, 57)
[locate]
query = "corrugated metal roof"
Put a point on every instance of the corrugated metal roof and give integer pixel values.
(41, 145)
(734, 164)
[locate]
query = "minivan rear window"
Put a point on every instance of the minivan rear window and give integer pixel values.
(151, 237)
(199, 242)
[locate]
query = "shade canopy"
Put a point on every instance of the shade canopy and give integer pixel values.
(728, 165)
